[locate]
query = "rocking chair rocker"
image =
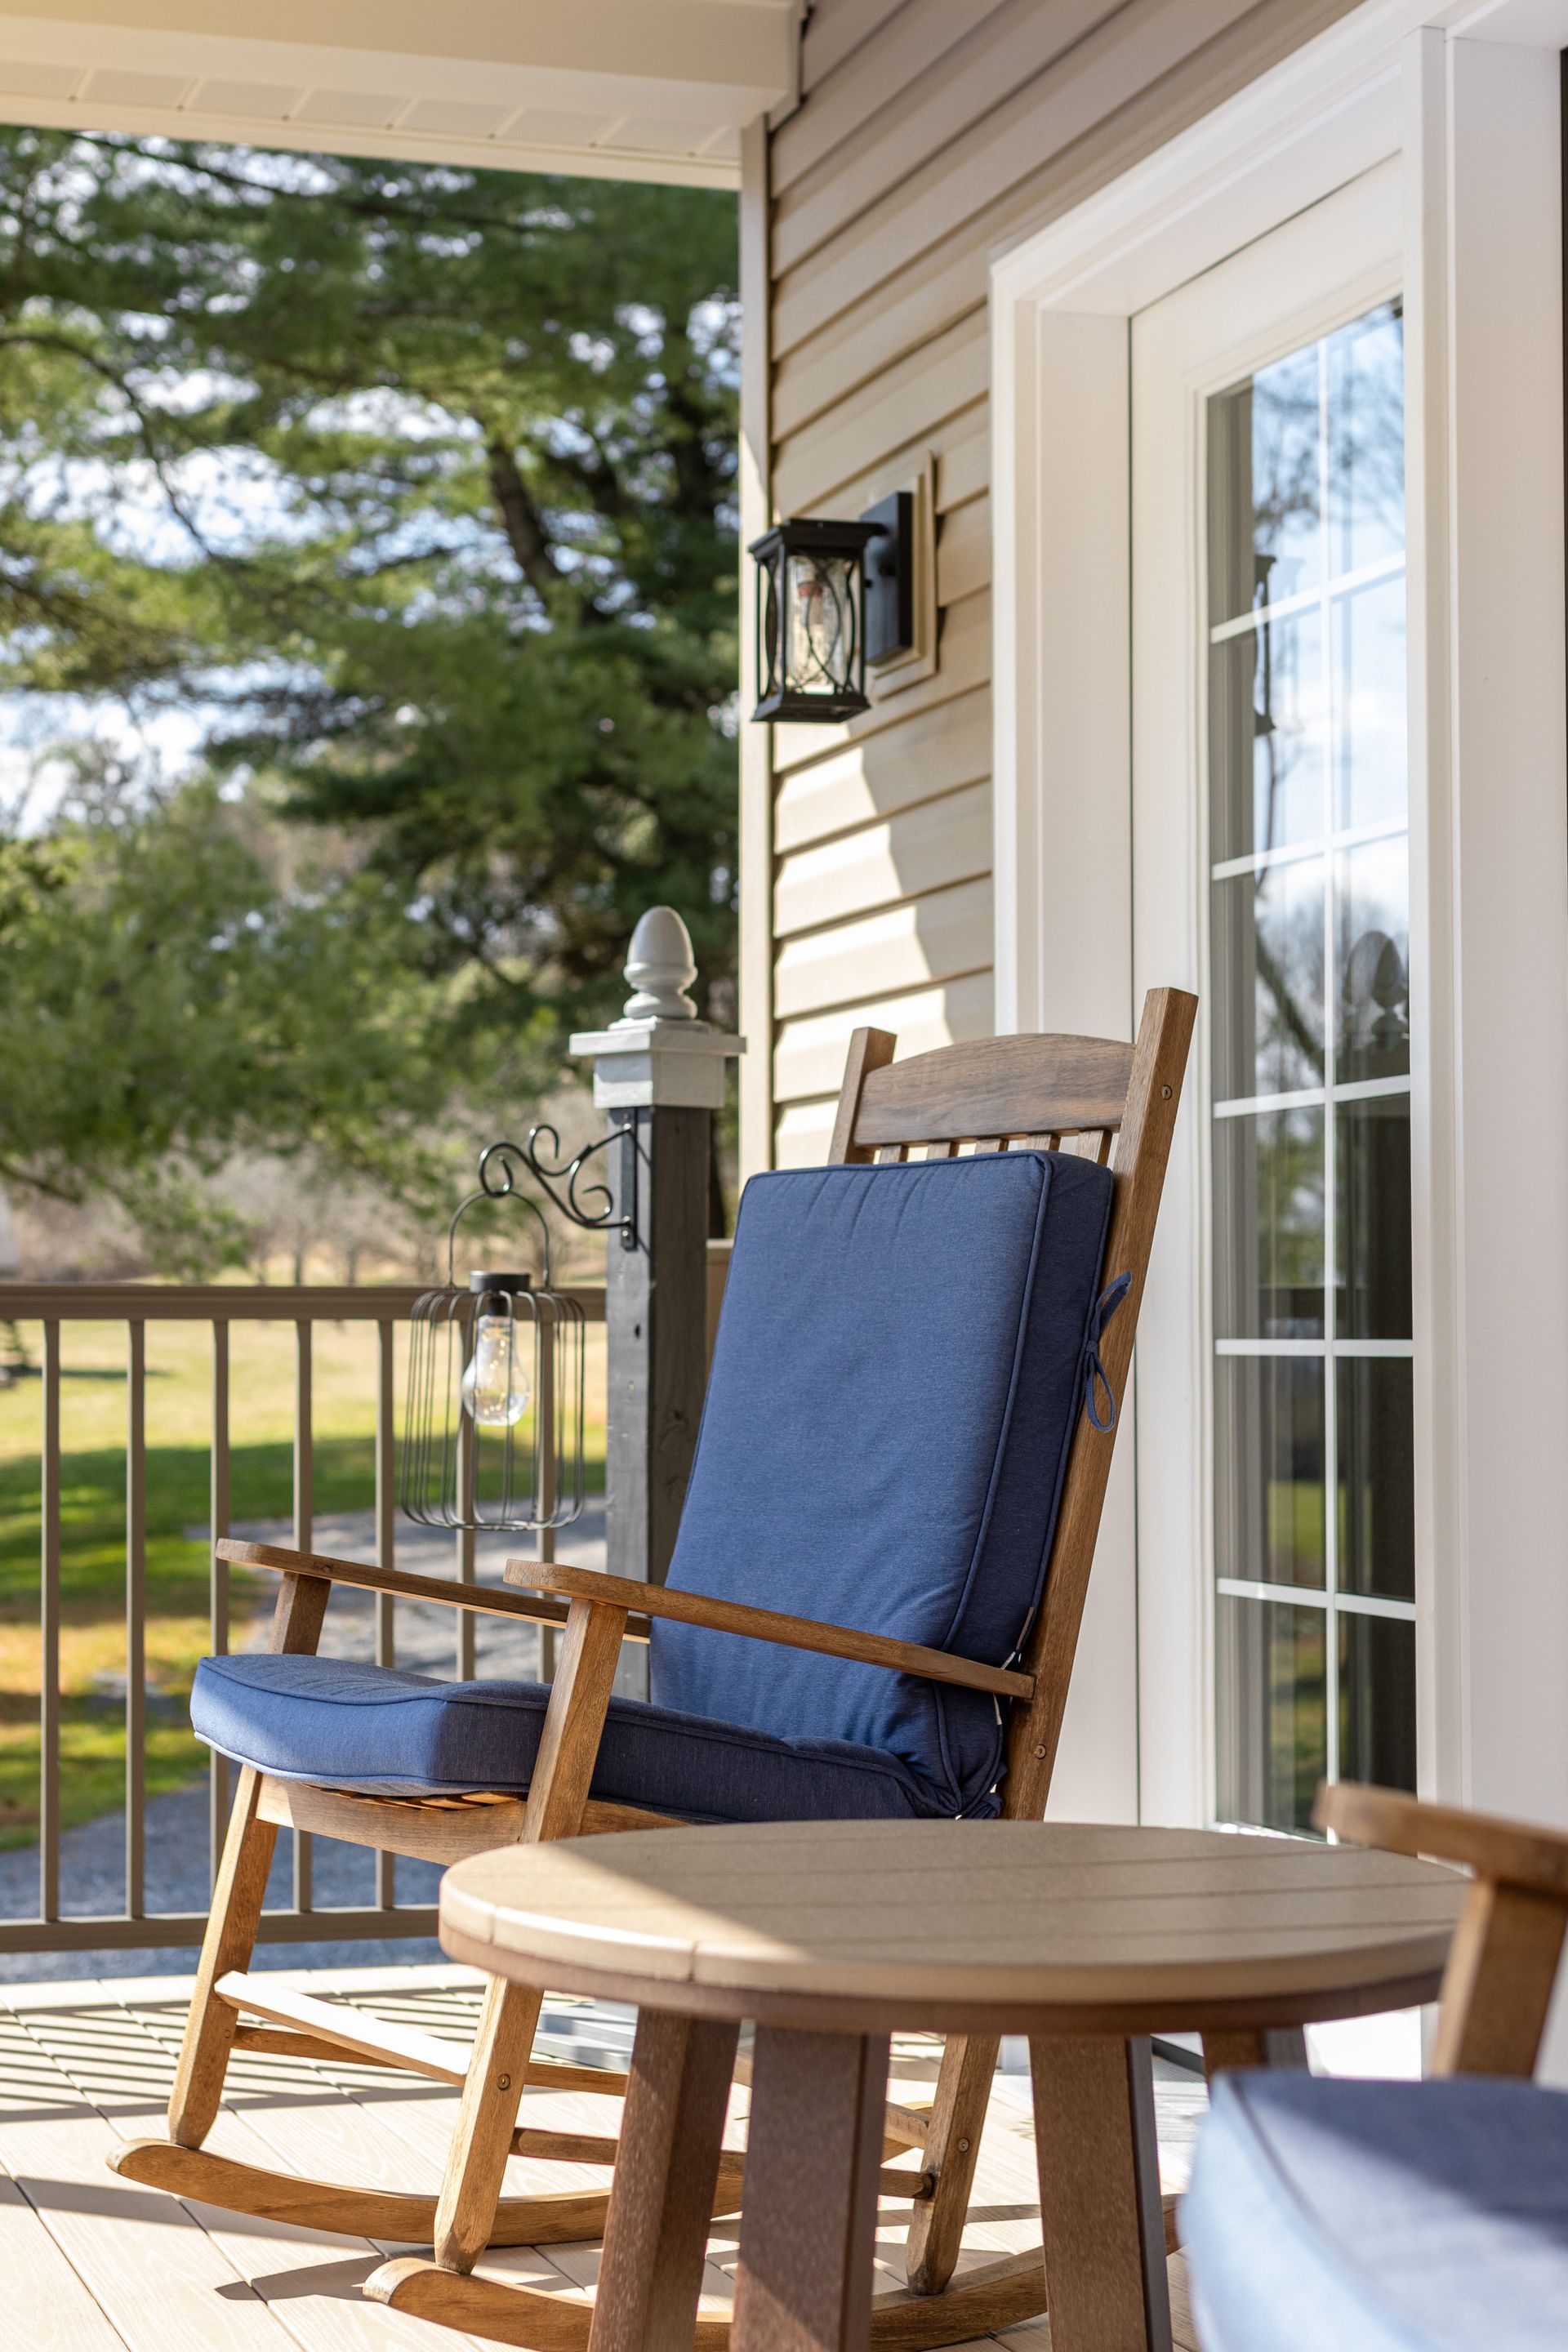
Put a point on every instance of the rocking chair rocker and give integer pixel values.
(908, 1433)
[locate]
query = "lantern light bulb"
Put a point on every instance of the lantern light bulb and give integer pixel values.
(495, 1388)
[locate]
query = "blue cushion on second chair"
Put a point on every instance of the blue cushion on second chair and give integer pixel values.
(347, 1725)
(1380, 2217)
(899, 1373)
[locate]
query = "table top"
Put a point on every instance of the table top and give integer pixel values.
(958, 1926)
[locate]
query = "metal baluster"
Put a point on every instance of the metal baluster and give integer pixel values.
(217, 1604)
(49, 1639)
(135, 1619)
(468, 1622)
(304, 1464)
(385, 1553)
(545, 1486)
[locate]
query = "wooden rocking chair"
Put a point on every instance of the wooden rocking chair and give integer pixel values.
(1381, 2214)
(1109, 1105)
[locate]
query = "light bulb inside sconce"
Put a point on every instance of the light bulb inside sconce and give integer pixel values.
(495, 1388)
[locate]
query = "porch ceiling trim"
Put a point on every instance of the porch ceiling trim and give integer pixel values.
(612, 88)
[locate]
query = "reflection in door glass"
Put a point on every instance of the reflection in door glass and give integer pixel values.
(1267, 735)
(1370, 763)
(1273, 1723)
(1375, 1411)
(1270, 1242)
(1309, 1044)
(1272, 452)
(1372, 959)
(1269, 1507)
(1267, 963)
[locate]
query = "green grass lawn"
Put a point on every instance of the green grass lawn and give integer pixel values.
(92, 1571)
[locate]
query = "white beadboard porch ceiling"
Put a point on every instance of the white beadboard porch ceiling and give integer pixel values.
(650, 89)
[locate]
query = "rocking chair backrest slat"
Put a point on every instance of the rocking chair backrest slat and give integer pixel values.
(997, 1089)
(1098, 1101)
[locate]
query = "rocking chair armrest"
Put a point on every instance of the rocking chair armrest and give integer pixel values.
(767, 1625)
(484, 1600)
(1511, 1853)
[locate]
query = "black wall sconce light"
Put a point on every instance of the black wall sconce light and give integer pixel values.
(832, 597)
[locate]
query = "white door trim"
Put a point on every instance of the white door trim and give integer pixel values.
(1470, 95)
(1323, 266)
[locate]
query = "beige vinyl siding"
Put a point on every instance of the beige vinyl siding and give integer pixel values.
(879, 774)
(931, 135)
(920, 940)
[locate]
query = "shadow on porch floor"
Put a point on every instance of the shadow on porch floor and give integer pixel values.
(91, 2263)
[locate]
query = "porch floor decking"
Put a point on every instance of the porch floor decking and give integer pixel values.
(92, 2263)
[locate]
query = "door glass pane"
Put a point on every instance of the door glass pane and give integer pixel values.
(1267, 710)
(1272, 1694)
(1377, 1699)
(1269, 1226)
(1372, 1220)
(1372, 959)
(1371, 766)
(1268, 980)
(1266, 449)
(1309, 1007)
(1270, 1411)
(1374, 1421)
(1365, 403)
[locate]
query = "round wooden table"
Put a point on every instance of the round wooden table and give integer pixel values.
(828, 1935)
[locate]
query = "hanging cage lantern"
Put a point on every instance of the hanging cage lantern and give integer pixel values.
(493, 1437)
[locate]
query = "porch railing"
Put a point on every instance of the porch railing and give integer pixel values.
(220, 1305)
(659, 1076)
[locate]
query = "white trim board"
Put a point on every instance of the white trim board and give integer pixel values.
(1470, 96)
(602, 87)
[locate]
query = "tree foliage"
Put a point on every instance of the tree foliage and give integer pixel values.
(168, 1005)
(413, 488)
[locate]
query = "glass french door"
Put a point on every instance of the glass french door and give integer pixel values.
(1309, 1047)
(1276, 1544)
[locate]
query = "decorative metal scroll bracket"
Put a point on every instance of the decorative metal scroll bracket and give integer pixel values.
(552, 1173)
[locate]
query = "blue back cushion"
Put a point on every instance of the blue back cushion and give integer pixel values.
(898, 1376)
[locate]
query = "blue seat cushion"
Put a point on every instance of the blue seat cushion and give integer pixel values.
(344, 1725)
(1380, 2217)
(899, 1371)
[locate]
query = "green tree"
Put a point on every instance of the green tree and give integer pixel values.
(418, 484)
(166, 1003)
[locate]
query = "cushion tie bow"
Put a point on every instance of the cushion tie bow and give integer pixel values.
(1094, 1374)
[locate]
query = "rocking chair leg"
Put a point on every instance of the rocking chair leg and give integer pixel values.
(487, 2119)
(236, 1912)
(228, 1944)
(951, 2152)
(492, 2089)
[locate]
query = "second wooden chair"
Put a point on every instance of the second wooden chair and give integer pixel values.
(1399, 2216)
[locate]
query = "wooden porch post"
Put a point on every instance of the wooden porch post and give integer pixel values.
(659, 1073)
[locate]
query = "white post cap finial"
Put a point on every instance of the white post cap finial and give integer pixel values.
(661, 968)
(658, 1052)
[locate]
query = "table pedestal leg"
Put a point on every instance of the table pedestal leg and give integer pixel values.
(667, 2168)
(1100, 2218)
(809, 2220)
(1265, 2045)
